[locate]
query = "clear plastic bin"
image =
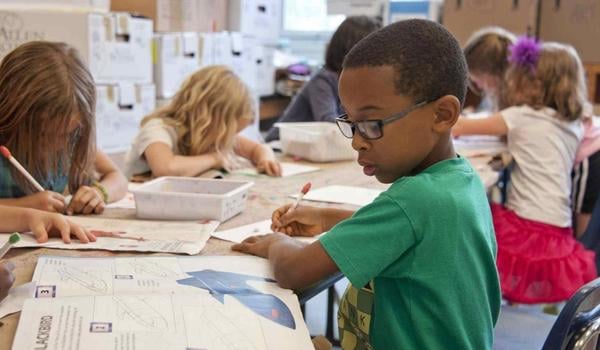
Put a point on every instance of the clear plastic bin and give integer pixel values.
(315, 141)
(188, 198)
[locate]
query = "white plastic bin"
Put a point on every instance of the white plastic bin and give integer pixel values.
(189, 198)
(315, 141)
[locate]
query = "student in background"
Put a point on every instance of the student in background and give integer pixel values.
(586, 174)
(418, 250)
(42, 225)
(486, 53)
(318, 100)
(198, 130)
(47, 103)
(539, 260)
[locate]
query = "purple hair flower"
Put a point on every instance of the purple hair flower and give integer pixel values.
(525, 52)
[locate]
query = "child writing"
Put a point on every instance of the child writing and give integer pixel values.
(198, 130)
(539, 261)
(486, 53)
(47, 103)
(421, 256)
(42, 225)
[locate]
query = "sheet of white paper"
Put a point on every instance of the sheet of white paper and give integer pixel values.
(287, 169)
(160, 303)
(183, 237)
(240, 233)
(15, 299)
(358, 196)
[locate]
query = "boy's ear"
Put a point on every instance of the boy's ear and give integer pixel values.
(446, 110)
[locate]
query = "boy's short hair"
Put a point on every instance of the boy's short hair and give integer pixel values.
(427, 60)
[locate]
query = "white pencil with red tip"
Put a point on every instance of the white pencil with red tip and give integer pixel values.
(6, 153)
(303, 192)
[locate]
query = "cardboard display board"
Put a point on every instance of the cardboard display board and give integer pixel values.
(179, 15)
(115, 46)
(463, 17)
(576, 22)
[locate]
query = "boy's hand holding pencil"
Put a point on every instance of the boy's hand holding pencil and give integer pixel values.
(298, 221)
(304, 221)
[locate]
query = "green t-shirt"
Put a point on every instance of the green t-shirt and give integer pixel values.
(427, 245)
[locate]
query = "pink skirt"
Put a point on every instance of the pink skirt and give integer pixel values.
(539, 263)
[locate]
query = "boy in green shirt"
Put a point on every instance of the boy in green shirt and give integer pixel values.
(421, 256)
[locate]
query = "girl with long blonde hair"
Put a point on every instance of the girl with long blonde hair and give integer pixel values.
(47, 106)
(539, 260)
(198, 130)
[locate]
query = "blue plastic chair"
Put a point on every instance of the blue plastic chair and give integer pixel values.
(578, 324)
(575, 328)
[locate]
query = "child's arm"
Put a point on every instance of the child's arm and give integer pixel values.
(41, 224)
(111, 187)
(111, 178)
(261, 156)
(163, 162)
(47, 201)
(306, 220)
(6, 278)
(295, 264)
(493, 125)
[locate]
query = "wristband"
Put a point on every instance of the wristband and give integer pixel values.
(102, 190)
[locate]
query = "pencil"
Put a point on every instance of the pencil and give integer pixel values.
(304, 191)
(14, 238)
(6, 153)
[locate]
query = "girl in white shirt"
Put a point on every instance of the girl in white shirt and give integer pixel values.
(198, 130)
(539, 260)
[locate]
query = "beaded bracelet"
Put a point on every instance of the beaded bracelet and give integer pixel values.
(102, 190)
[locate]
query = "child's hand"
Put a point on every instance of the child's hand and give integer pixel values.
(303, 221)
(258, 245)
(44, 225)
(220, 162)
(269, 166)
(46, 201)
(87, 200)
(6, 278)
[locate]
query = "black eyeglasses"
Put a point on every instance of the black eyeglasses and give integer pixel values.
(371, 129)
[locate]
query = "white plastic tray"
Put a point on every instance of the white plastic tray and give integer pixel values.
(315, 141)
(188, 198)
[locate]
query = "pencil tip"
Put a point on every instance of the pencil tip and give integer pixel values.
(5, 152)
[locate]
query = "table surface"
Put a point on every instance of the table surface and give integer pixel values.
(266, 195)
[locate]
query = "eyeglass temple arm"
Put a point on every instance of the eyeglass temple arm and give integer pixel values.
(403, 113)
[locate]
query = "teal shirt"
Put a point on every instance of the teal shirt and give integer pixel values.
(427, 245)
(10, 189)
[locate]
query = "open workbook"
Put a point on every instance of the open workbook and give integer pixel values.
(186, 303)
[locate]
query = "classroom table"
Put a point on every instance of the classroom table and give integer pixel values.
(266, 195)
